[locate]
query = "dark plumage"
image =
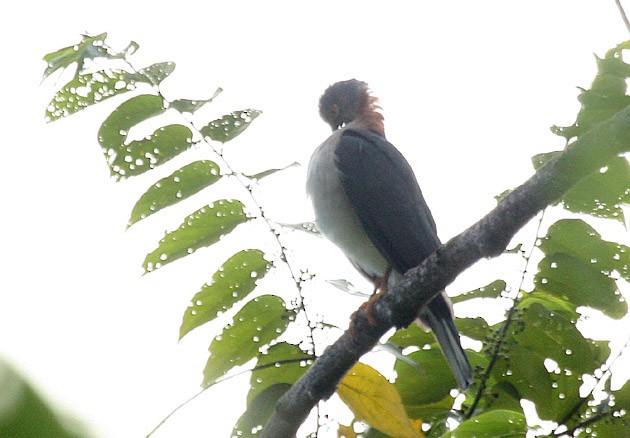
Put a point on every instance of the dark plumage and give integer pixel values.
(367, 201)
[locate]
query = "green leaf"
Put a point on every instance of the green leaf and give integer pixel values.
(268, 172)
(259, 322)
(259, 411)
(579, 284)
(234, 280)
(347, 287)
(282, 363)
(277, 369)
(606, 96)
(575, 238)
(554, 394)
(373, 399)
(608, 418)
(115, 128)
(518, 249)
(88, 89)
(190, 106)
(412, 336)
(503, 396)
(90, 47)
(141, 155)
(155, 73)
(202, 228)
(525, 371)
(176, 187)
(138, 156)
(493, 424)
(475, 328)
(229, 126)
(24, 413)
(306, 227)
(540, 160)
(622, 397)
(566, 387)
(419, 388)
(616, 426)
(492, 290)
(551, 335)
(551, 302)
(602, 193)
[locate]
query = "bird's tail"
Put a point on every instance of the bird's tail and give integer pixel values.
(446, 333)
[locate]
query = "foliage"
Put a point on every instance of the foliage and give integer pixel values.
(535, 353)
(25, 414)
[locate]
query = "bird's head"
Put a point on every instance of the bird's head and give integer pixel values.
(346, 101)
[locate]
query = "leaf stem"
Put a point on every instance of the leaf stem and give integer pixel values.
(496, 349)
(198, 393)
(624, 17)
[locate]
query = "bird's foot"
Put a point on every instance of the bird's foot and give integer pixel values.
(380, 289)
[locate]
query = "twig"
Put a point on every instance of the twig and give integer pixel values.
(624, 17)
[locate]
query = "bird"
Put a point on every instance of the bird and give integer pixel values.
(367, 201)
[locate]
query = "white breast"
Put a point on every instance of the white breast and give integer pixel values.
(334, 215)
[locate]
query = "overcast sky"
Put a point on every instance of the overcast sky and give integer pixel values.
(469, 90)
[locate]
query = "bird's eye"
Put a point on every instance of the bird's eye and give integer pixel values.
(334, 111)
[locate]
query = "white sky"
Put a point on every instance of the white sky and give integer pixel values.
(469, 90)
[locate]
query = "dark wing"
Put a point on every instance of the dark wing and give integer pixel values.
(384, 192)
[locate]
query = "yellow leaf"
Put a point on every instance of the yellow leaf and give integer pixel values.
(373, 399)
(346, 432)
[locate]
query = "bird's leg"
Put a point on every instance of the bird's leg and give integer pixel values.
(380, 289)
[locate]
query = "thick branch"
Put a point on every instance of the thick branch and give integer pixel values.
(487, 238)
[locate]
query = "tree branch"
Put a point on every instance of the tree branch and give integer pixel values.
(487, 238)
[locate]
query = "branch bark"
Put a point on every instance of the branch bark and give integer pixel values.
(486, 238)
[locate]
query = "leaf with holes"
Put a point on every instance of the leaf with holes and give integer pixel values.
(190, 106)
(475, 328)
(88, 89)
(579, 284)
(492, 290)
(524, 370)
(307, 227)
(234, 280)
(269, 172)
(176, 187)
(579, 240)
(412, 336)
(493, 424)
(155, 73)
(551, 335)
(229, 126)
(276, 370)
(259, 411)
(606, 97)
(373, 399)
(136, 157)
(90, 47)
(429, 382)
(282, 363)
(259, 322)
(140, 156)
(202, 228)
(602, 193)
(113, 131)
